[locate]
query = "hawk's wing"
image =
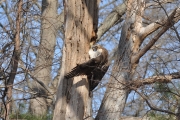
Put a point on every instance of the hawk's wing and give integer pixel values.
(83, 69)
(97, 75)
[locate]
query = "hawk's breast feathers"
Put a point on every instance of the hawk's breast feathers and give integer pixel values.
(94, 54)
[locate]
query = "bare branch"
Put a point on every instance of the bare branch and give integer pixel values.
(154, 107)
(37, 4)
(161, 1)
(14, 60)
(34, 78)
(34, 93)
(173, 27)
(40, 83)
(102, 7)
(56, 79)
(7, 32)
(154, 79)
(11, 22)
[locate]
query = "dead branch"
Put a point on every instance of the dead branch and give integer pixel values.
(155, 79)
(152, 106)
(156, 4)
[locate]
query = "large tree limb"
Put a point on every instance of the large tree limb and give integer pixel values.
(111, 20)
(145, 31)
(169, 23)
(161, 79)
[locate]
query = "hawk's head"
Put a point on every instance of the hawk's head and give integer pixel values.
(95, 51)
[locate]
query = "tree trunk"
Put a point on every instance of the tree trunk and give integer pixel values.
(73, 101)
(45, 55)
(116, 94)
(14, 62)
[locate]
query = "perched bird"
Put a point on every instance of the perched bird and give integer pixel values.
(95, 68)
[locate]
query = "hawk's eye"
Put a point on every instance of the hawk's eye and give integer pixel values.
(95, 48)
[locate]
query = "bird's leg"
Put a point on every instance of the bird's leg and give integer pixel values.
(90, 94)
(90, 84)
(92, 76)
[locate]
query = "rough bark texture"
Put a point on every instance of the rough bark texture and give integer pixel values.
(45, 56)
(115, 97)
(113, 18)
(73, 101)
(14, 61)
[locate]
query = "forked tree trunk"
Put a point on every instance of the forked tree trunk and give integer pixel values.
(45, 55)
(73, 101)
(116, 94)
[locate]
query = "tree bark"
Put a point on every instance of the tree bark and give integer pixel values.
(44, 59)
(14, 61)
(115, 97)
(73, 101)
(113, 18)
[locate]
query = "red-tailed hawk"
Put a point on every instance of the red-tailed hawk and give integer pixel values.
(95, 68)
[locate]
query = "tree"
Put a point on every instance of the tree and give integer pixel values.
(127, 57)
(7, 96)
(44, 60)
(73, 101)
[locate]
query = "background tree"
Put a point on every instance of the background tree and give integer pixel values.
(7, 93)
(44, 60)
